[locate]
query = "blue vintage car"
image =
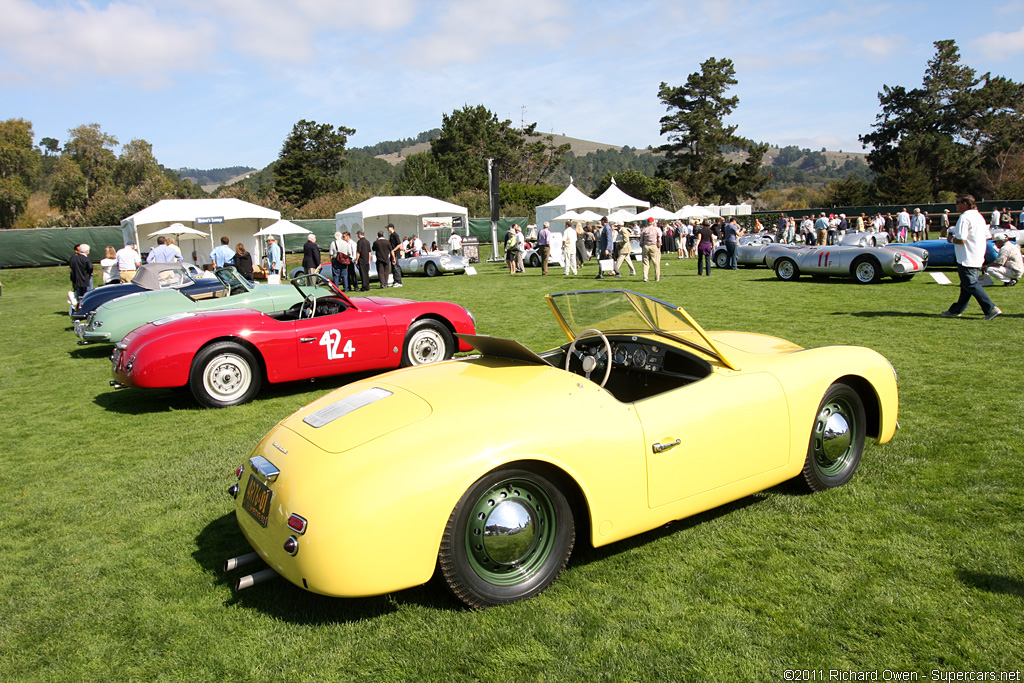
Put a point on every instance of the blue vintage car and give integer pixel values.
(942, 255)
(150, 277)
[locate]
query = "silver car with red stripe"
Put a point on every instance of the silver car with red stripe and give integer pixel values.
(865, 264)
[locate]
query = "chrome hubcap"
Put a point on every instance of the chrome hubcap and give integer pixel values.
(509, 532)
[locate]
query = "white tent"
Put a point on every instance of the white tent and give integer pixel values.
(614, 198)
(407, 213)
(622, 216)
(232, 218)
(571, 199)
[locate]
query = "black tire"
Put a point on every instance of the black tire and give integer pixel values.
(534, 261)
(721, 259)
(430, 269)
(866, 270)
(508, 538)
(224, 374)
(786, 270)
(837, 439)
(427, 341)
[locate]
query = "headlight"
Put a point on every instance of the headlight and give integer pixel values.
(897, 257)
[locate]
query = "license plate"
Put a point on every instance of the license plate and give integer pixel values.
(257, 500)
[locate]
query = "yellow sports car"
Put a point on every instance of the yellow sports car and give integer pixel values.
(649, 419)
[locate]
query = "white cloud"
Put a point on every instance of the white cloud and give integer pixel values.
(465, 31)
(1001, 46)
(115, 40)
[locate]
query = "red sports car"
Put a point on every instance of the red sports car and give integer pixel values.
(224, 356)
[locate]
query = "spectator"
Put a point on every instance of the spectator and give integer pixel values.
(310, 255)
(243, 261)
(273, 256)
(81, 271)
(970, 237)
(223, 254)
(163, 253)
(128, 261)
(109, 265)
(1008, 266)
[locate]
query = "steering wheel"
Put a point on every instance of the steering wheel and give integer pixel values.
(308, 308)
(588, 361)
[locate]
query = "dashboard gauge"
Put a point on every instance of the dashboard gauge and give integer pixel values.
(620, 355)
(639, 357)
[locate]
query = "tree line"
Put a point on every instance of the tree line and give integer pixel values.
(957, 132)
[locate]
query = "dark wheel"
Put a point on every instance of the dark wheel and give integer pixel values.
(837, 439)
(866, 270)
(507, 539)
(786, 270)
(427, 341)
(430, 269)
(535, 260)
(224, 374)
(722, 259)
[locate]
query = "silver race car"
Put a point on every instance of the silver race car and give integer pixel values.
(866, 265)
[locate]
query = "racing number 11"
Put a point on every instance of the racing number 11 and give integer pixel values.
(331, 339)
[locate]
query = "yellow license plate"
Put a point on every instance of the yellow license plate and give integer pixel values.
(257, 500)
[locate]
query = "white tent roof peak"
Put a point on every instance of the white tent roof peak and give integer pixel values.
(573, 198)
(187, 210)
(418, 205)
(614, 198)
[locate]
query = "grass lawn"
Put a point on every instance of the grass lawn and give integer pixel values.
(114, 520)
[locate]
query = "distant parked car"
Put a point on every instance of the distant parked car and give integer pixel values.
(149, 277)
(866, 265)
(864, 239)
(750, 251)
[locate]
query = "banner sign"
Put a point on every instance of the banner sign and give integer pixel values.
(437, 222)
(210, 220)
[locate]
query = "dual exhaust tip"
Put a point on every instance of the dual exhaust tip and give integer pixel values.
(249, 580)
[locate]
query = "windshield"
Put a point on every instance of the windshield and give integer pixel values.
(232, 281)
(315, 285)
(621, 311)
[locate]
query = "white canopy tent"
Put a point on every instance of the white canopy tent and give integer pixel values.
(571, 199)
(232, 218)
(614, 198)
(622, 216)
(280, 229)
(407, 213)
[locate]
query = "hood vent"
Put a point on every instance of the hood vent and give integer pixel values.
(330, 413)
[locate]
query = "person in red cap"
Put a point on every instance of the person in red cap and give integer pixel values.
(650, 244)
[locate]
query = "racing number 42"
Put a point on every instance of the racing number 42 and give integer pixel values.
(332, 339)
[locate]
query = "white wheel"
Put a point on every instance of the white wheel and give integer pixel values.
(427, 341)
(224, 374)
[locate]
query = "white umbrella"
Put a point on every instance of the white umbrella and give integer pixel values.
(590, 216)
(622, 216)
(657, 213)
(283, 228)
(180, 232)
(568, 216)
(689, 211)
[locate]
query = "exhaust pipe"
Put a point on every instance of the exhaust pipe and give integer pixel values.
(236, 562)
(252, 579)
(117, 385)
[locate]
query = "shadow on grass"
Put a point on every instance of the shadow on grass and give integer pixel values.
(917, 314)
(992, 583)
(132, 401)
(221, 539)
(584, 554)
(90, 351)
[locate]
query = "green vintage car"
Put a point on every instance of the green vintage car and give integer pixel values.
(109, 323)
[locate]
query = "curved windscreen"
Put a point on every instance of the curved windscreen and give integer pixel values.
(622, 311)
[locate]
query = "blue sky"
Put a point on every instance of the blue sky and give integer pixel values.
(215, 83)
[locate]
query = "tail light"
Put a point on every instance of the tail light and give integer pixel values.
(297, 524)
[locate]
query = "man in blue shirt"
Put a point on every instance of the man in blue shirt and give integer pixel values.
(273, 255)
(605, 242)
(162, 253)
(223, 255)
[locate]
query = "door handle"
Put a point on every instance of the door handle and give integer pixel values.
(660, 448)
(306, 340)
